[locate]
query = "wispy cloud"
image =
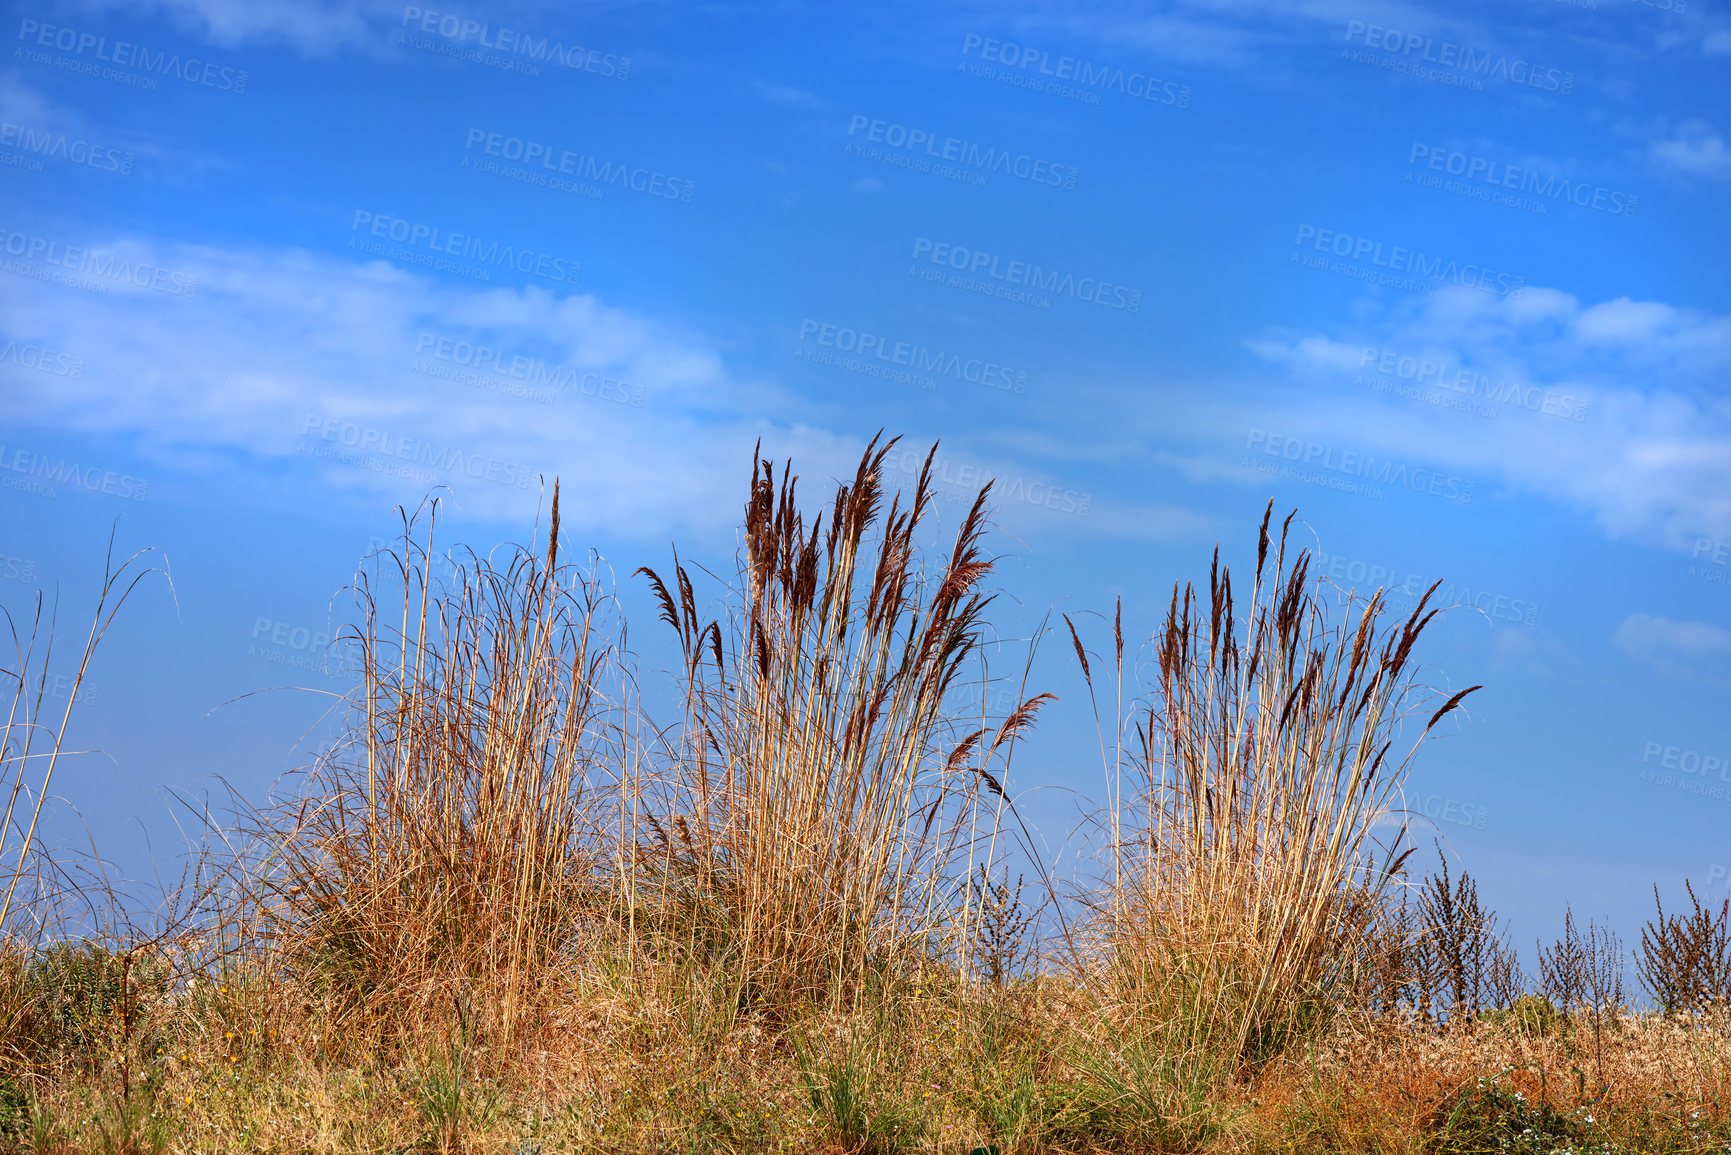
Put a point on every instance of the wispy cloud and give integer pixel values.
(1652, 458)
(1694, 149)
(315, 26)
(326, 375)
(275, 337)
(1684, 650)
(786, 94)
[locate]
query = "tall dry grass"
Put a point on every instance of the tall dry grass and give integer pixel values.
(513, 913)
(1243, 795)
(454, 840)
(824, 798)
(33, 742)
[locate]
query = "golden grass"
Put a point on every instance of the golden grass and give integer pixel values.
(1242, 860)
(513, 915)
(823, 794)
(648, 1060)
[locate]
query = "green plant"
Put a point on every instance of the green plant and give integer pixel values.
(46, 1133)
(1143, 1091)
(14, 1113)
(79, 988)
(130, 1125)
(1487, 1117)
(447, 1102)
(89, 1000)
(1530, 1015)
(843, 1096)
(1016, 1112)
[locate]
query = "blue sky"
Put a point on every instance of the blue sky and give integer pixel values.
(1448, 280)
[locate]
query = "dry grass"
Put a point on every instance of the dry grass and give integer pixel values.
(456, 840)
(822, 800)
(513, 915)
(1241, 862)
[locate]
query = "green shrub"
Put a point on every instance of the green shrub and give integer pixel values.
(1488, 1118)
(1529, 1015)
(14, 1114)
(82, 1000)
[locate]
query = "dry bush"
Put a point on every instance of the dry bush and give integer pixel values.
(1385, 977)
(824, 798)
(1239, 873)
(1685, 959)
(1461, 957)
(1001, 946)
(455, 840)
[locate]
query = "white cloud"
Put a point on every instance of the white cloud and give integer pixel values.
(315, 26)
(275, 337)
(280, 347)
(1624, 321)
(1309, 352)
(1651, 458)
(786, 94)
(1676, 649)
(1695, 149)
(22, 104)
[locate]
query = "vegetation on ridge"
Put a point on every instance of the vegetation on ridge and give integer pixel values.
(512, 914)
